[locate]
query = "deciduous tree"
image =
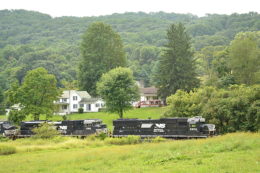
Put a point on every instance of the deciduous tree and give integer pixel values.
(118, 89)
(245, 58)
(102, 50)
(37, 93)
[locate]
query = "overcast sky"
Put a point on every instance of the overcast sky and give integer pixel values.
(58, 8)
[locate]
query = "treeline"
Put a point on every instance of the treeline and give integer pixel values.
(31, 39)
(236, 108)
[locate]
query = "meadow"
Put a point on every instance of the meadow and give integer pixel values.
(231, 153)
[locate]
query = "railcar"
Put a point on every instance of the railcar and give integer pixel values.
(165, 127)
(67, 128)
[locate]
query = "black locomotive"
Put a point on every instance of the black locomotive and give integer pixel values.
(67, 128)
(165, 127)
(7, 129)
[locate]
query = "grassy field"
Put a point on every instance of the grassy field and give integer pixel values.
(231, 153)
(142, 113)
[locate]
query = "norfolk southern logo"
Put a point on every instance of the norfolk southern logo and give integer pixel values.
(160, 126)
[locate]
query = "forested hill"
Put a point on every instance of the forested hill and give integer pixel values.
(32, 39)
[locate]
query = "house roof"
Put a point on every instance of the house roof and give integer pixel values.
(82, 94)
(148, 91)
(89, 100)
(65, 94)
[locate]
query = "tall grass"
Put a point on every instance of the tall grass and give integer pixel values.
(6, 150)
(124, 140)
(238, 152)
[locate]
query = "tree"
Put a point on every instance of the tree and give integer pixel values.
(118, 89)
(245, 58)
(2, 107)
(176, 69)
(212, 63)
(102, 50)
(36, 94)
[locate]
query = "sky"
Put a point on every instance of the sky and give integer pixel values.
(57, 8)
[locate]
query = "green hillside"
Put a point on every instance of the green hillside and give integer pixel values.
(31, 39)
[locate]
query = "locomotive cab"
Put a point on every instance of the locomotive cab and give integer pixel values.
(7, 129)
(198, 124)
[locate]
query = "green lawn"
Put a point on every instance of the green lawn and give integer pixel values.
(231, 153)
(141, 113)
(2, 117)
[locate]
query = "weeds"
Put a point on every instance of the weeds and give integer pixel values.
(124, 140)
(6, 150)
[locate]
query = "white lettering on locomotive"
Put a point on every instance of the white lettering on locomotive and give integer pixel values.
(146, 125)
(158, 130)
(63, 127)
(160, 126)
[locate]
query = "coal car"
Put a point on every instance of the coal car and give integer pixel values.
(165, 127)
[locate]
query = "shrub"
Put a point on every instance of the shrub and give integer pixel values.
(64, 117)
(45, 131)
(6, 150)
(101, 136)
(80, 110)
(124, 140)
(16, 116)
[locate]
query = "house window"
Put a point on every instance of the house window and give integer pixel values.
(81, 105)
(64, 100)
(75, 98)
(97, 105)
(64, 107)
(88, 106)
(75, 106)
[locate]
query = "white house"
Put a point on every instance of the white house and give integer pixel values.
(71, 100)
(149, 93)
(148, 98)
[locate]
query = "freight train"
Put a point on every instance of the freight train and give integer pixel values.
(176, 128)
(165, 127)
(67, 128)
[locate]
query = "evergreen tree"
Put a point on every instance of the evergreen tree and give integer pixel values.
(176, 68)
(102, 50)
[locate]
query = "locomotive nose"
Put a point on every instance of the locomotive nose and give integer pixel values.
(209, 129)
